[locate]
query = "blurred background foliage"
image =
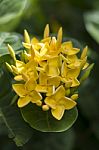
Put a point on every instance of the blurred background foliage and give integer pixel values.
(80, 22)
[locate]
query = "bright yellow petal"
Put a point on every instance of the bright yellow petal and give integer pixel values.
(43, 78)
(60, 92)
(30, 85)
(68, 103)
(64, 69)
(58, 112)
(35, 96)
(75, 83)
(50, 102)
(73, 73)
(53, 69)
(54, 81)
(73, 51)
(34, 41)
(48, 39)
(23, 101)
(67, 45)
(41, 88)
(70, 59)
(19, 89)
(26, 45)
(50, 90)
(19, 64)
(43, 51)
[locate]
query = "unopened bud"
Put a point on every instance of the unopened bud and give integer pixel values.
(26, 37)
(45, 107)
(39, 103)
(12, 53)
(9, 67)
(74, 97)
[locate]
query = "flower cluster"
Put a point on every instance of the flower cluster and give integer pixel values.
(47, 72)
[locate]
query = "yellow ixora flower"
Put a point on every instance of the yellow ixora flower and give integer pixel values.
(51, 70)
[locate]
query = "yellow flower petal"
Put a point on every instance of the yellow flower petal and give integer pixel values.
(34, 41)
(58, 112)
(73, 51)
(53, 69)
(35, 96)
(50, 90)
(75, 83)
(23, 101)
(60, 92)
(54, 81)
(43, 78)
(67, 45)
(67, 48)
(43, 51)
(50, 102)
(19, 89)
(70, 59)
(30, 85)
(48, 40)
(64, 70)
(41, 88)
(73, 73)
(68, 103)
(26, 45)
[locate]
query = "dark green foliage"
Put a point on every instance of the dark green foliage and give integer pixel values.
(45, 122)
(74, 17)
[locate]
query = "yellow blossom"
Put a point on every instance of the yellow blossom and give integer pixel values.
(27, 93)
(58, 102)
(49, 72)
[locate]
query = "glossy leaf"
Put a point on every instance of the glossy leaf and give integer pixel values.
(51, 141)
(92, 24)
(45, 122)
(14, 39)
(17, 128)
(10, 13)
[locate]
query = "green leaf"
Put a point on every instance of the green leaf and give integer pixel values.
(86, 73)
(11, 116)
(45, 122)
(92, 24)
(17, 128)
(14, 39)
(10, 13)
(52, 141)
